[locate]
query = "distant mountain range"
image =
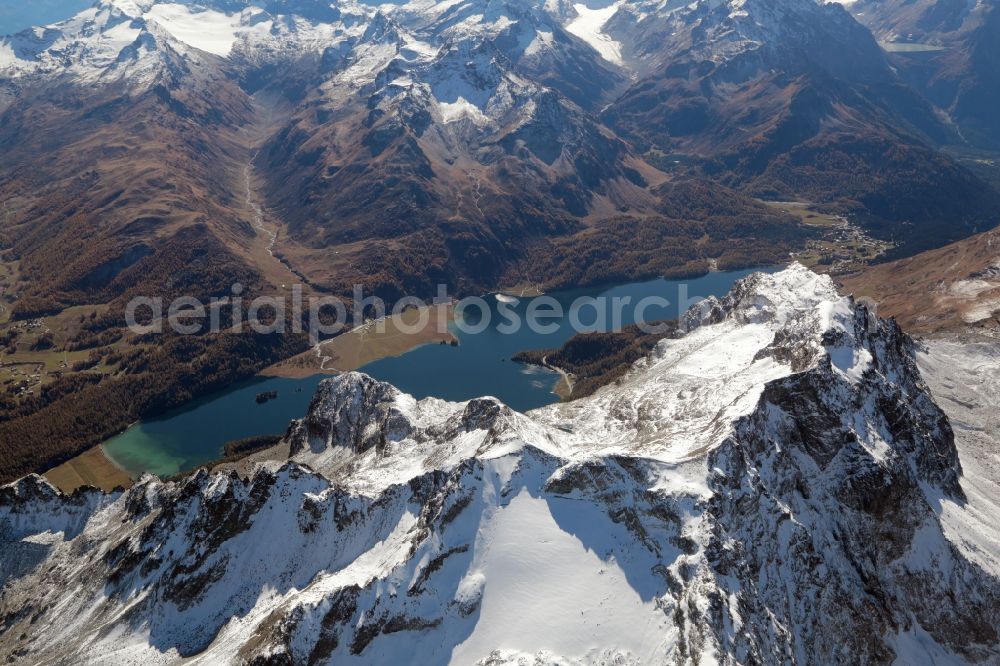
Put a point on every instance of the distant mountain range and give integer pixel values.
(949, 52)
(459, 141)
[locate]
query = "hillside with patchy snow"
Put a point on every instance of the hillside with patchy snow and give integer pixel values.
(773, 485)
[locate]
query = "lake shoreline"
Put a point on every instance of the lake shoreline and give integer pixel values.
(564, 385)
(93, 468)
(470, 361)
(365, 344)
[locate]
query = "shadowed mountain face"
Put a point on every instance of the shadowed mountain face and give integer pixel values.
(950, 52)
(797, 100)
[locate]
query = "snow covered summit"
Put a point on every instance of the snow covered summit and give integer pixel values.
(768, 487)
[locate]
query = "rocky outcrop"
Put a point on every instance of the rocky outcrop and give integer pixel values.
(357, 413)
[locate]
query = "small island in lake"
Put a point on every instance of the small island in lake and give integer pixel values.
(266, 396)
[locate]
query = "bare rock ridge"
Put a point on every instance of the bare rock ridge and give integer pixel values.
(782, 501)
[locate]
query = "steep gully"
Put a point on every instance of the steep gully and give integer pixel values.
(270, 115)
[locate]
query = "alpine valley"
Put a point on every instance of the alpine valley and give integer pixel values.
(803, 471)
(164, 149)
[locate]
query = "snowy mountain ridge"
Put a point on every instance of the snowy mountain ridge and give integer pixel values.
(489, 77)
(88, 44)
(774, 485)
(231, 29)
(446, 57)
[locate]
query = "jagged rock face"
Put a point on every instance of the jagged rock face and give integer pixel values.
(356, 414)
(778, 502)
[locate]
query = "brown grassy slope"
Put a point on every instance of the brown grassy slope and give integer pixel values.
(108, 180)
(947, 289)
(384, 198)
(121, 193)
(695, 221)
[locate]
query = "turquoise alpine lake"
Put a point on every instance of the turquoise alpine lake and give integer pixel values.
(480, 365)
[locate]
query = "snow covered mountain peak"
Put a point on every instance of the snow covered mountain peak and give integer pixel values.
(620, 35)
(85, 45)
(134, 8)
(697, 386)
(381, 29)
(785, 511)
